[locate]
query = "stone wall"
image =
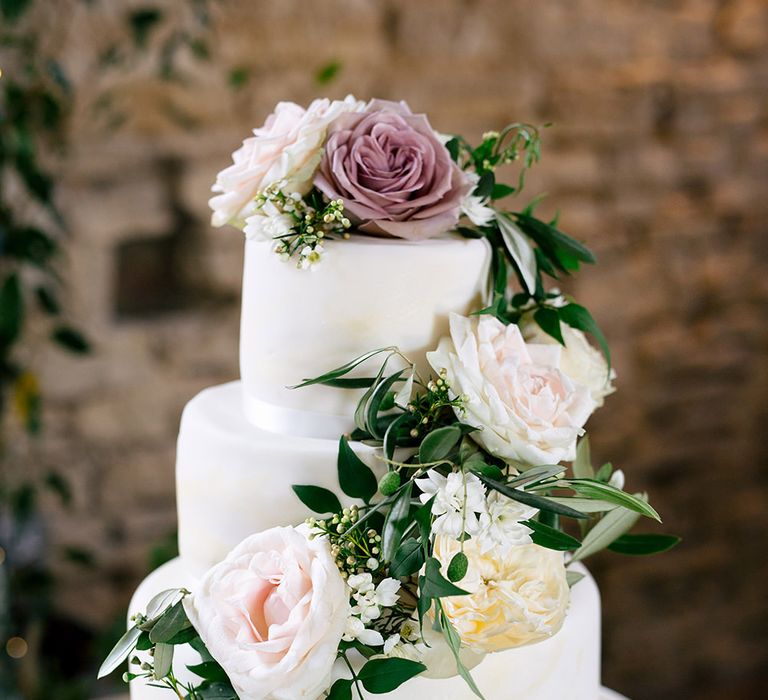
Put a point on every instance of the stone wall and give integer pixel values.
(658, 160)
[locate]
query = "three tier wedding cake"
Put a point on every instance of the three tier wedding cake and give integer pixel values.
(397, 496)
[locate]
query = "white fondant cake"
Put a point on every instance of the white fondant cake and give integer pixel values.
(564, 667)
(369, 293)
(243, 444)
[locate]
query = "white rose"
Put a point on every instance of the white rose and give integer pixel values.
(526, 409)
(273, 614)
(286, 150)
(581, 361)
(515, 599)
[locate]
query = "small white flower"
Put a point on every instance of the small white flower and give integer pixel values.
(475, 208)
(268, 223)
(459, 500)
(391, 642)
(387, 592)
(502, 526)
(361, 583)
(356, 630)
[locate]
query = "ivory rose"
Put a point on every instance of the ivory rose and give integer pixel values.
(515, 599)
(273, 614)
(527, 410)
(578, 359)
(285, 150)
(393, 173)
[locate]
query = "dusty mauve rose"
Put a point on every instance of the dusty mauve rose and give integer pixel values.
(392, 171)
(528, 410)
(272, 614)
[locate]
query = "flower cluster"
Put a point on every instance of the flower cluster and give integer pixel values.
(368, 599)
(355, 550)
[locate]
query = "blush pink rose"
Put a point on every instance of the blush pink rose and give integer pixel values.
(528, 409)
(273, 614)
(393, 173)
(285, 150)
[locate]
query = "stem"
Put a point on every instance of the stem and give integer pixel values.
(354, 675)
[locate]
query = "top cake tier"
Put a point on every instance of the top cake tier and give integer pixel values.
(367, 293)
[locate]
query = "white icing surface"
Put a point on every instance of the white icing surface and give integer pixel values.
(566, 666)
(367, 293)
(234, 479)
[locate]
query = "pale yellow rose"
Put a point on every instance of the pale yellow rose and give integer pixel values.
(514, 600)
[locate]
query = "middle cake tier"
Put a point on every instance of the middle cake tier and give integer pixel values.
(234, 479)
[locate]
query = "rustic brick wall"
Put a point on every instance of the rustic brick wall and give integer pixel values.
(658, 160)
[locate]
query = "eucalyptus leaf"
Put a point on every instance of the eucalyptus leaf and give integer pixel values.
(161, 601)
(125, 645)
(520, 250)
(611, 526)
(642, 544)
(597, 489)
(163, 658)
(531, 499)
(437, 445)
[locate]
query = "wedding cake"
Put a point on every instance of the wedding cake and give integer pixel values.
(377, 505)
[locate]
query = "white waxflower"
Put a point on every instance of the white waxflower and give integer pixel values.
(267, 223)
(356, 630)
(475, 208)
(459, 499)
(501, 524)
(387, 592)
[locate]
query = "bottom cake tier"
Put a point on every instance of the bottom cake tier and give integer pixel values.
(564, 667)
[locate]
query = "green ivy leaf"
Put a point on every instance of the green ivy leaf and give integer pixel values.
(577, 316)
(385, 675)
(642, 544)
(550, 537)
(317, 499)
(71, 340)
(548, 320)
(407, 559)
(355, 476)
(435, 584)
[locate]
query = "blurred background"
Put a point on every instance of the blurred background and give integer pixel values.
(118, 302)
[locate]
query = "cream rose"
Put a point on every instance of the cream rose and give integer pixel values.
(273, 614)
(286, 150)
(578, 359)
(515, 599)
(527, 409)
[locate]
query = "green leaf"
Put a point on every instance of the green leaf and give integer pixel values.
(457, 569)
(520, 251)
(215, 691)
(71, 340)
(585, 505)
(125, 645)
(344, 369)
(590, 488)
(550, 537)
(485, 184)
(173, 621)
(396, 521)
(407, 559)
(355, 476)
(479, 466)
(611, 526)
(550, 237)
(604, 473)
(11, 310)
(549, 321)
(501, 190)
(573, 577)
(341, 690)
(163, 658)
(385, 675)
(437, 445)
(531, 499)
(210, 671)
(435, 584)
(453, 145)
(582, 465)
(376, 401)
(577, 316)
(642, 544)
(536, 474)
(161, 602)
(327, 73)
(317, 499)
(454, 643)
(423, 516)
